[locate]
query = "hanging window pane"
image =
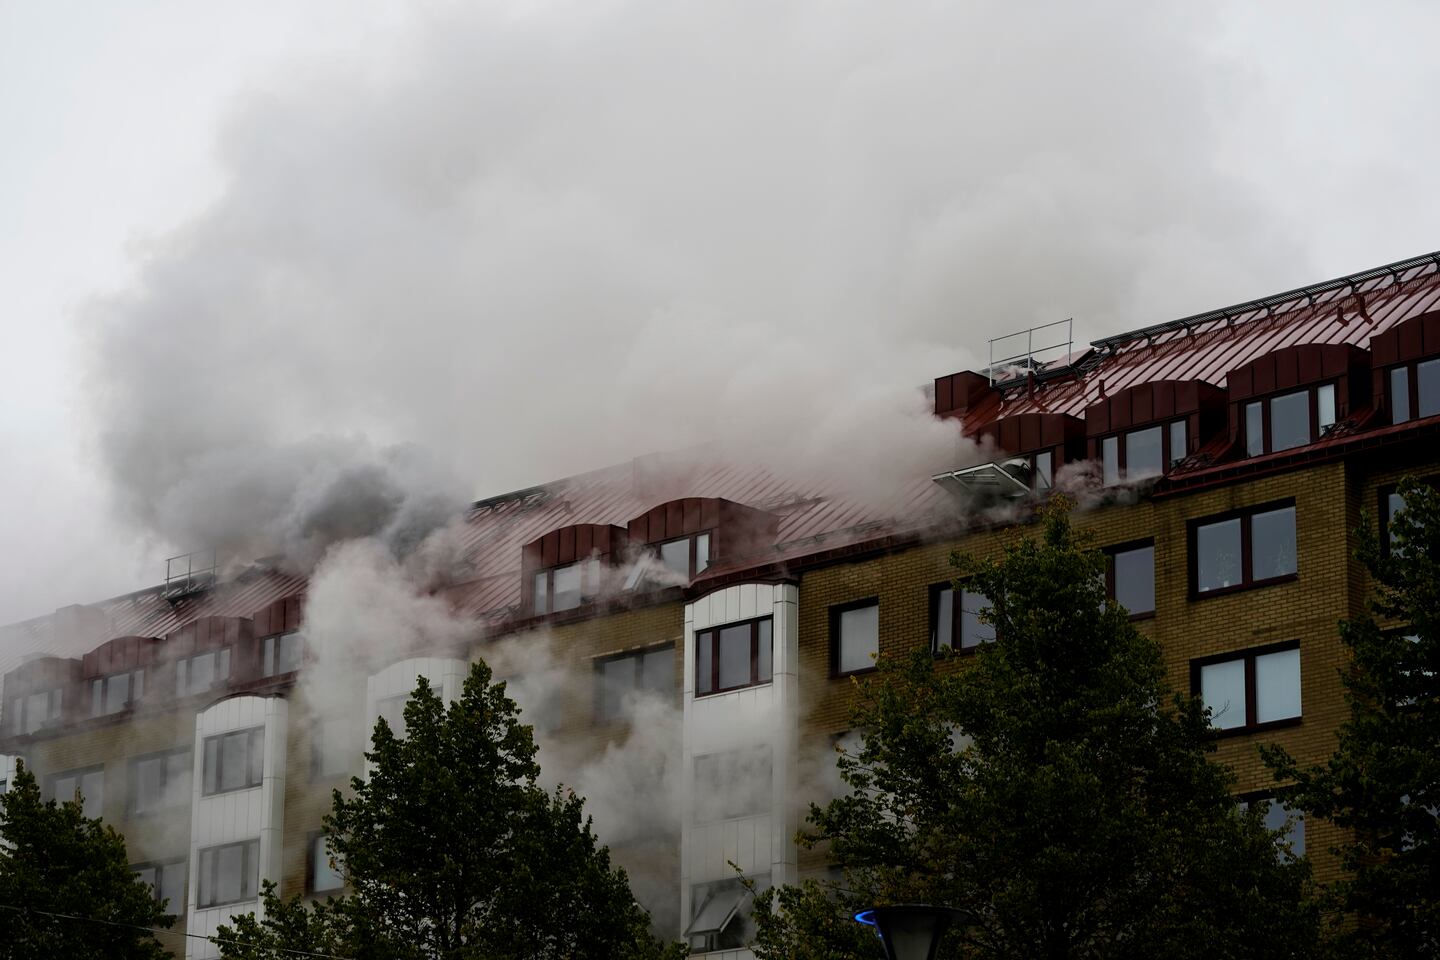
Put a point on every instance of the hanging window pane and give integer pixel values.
(1044, 470)
(1290, 420)
(943, 622)
(1178, 449)
(567, 587)
(675, 555)
(702, 552)
(1325, 406)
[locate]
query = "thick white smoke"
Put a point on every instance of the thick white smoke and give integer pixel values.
(535, 238)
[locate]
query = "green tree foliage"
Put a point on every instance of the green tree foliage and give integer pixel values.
(1382, 784)
(451, 851)
(71, 882)
(1050, 785)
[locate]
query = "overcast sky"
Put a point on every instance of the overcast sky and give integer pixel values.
(245, 247)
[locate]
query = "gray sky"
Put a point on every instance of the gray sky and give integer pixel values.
(255, 253)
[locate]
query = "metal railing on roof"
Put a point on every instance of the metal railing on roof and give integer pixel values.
(189, 573)
(1032, 358)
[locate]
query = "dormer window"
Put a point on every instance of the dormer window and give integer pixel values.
(1289, 420)
(201, 672)
(34, 711)
(1147, 452)
(566, 587)
(687, 556)
(1414, 390)
(116, 692)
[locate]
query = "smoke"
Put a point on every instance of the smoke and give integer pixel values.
(532, 239)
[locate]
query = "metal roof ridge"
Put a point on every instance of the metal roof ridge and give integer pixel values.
(1308, 291)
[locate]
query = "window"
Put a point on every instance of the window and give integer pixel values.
(1042, 470)
(1147, 452)
(325, 868)
(167, 881)
(617, 679)
(229, 873)
(282, 654)
(733, 656)
(854, 637)
(36, 710)
(688, 556)
(947, 620)
(160, 781)
(88, 784)
(233, 761)
(565, 588)
(333, 750)
(201, 672)
(1287, 823)
(720, 914)
(1249, 548)
(1289, 419)
(732, 784)
(1414, 390)
(1391, 503)
(1250, 690)
(1130, 578)
(116, 692)
(392, 711)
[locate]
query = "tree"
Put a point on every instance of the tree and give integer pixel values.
(451, 851)
(1050, 786)
(1382, 784)
(66, 887)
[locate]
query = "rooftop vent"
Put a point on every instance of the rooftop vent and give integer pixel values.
(189, 573)
(1003, 478)
(1030, 351)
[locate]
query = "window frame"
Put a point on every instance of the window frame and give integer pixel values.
(1317, 433)
(311, 839)
(1249, 656)
(20, 715)
(957, 619)
(251, 734)
(272, 649)
(79, 773)
(728, 764)
(174, 909)
(135, 682)
(1252, 797)
(318, 744)
(1110, 581)
(245, 863)
(219, 680)
(1168, 458)
(837, 613)
(132, 799)
(601, 716)
(589, 569)
(1412, 389)
(714, 631)
(693, 551)
(1246, 516)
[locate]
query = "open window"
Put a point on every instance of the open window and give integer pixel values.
(720, 914)
(1032, 449)
(1293, 396)
(1145, 430)
(566, 568)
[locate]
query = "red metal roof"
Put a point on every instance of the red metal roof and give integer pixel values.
(813, 520)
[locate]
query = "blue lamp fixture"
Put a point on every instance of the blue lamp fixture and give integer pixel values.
(910, 931)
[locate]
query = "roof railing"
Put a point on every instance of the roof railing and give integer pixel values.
(189, 573)
(1033, 357)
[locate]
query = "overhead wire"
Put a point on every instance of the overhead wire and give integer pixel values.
(161, 931)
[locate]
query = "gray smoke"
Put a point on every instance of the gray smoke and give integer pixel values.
(537, 239)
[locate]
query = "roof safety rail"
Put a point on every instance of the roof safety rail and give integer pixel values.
(189, 573)
(1025, 355)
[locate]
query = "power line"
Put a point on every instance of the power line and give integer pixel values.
(163, 932)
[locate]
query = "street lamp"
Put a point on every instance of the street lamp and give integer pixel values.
(910, 931)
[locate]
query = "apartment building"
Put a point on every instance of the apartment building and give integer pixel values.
(1225, 460)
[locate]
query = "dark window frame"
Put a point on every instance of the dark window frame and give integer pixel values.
(957, 619)
(1382, 497)
(1248, 655)
(132, 698)
(174, 909)
(1128, 547)
(214, 851)
(132, 799)
(20, 715)
(1168, 459)
(836, 612)
(1312, 390)
(271, 647)
(588, 585)
(79, 773)
(1246, 517)
(218, 680)
(251, 734)
(693, 539)
(714, 631)
(638, 656)
(310, 891)
(1412, 389)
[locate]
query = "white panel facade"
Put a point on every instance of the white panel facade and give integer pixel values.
(7, 771)
(251, 813)
(446, 677)
(765, 715)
